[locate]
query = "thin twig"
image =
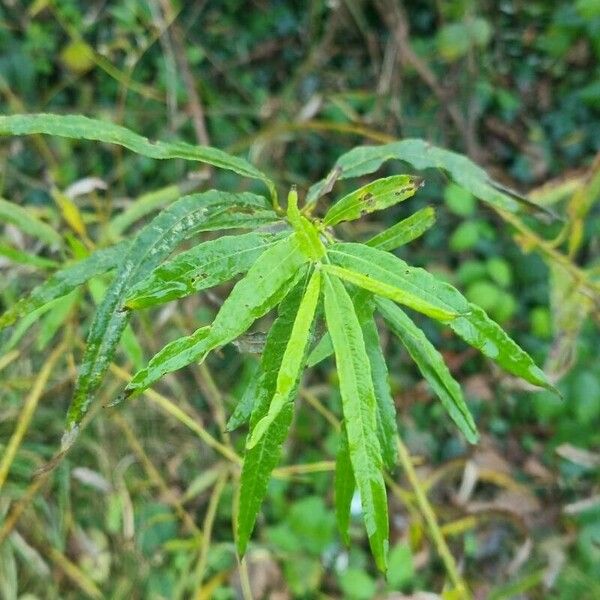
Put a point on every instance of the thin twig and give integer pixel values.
(207, 526)
(431, 520)
(171, 408)
(27, 412)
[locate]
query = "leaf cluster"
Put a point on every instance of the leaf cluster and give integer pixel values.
(292, 262)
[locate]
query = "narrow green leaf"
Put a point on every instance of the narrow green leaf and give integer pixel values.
(432, 366)
(189, 215)
(263, 287)
(405, 231)
(386, 275)
(387, 429)
(22, 219)
(360, 412)
(55, 318)
(24, 258)
(243, 409)
(66, 280)
(260, 460)
(129, 342)
(24, 324)
(323, 350)
(479, 331)
(344, 485)
(199, 268)
(292, 361)
(308, 236)
(363, 160)
(78, 127)
(143, 206)
(377, 195)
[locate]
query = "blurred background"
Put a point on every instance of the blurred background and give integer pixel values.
(141, 508)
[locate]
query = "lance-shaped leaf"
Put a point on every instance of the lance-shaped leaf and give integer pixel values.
(379, 271)
(397, 235)
(344, 485)
(387, 429)
(65, 281)
(261, 459)
(479, 331)
(199, 268)
(146, 204)
(363, 160)
(386, 275)
(405, 231)
(22, 219)
(432, 366)
(360, 412)
(151, 246)
(78, 127)
(25, 258)
(292, 361)
(263, 287)
(377, 195)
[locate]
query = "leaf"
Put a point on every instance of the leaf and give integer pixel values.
(323, 350)
(199, 268)
(70, 213)
(243, 409)
(405, 231)
(360, 412)
(386, 275)
(377, 195)
(432, 366)
(363, 160)
(344, 487)
(479, 331)
(142, 206)
(151, 246)
(292, 361)
(82, 128)
(22, 219)
(263, 287)
(260, 460)
(64, 281)
(55, 319)
(308, 236)
(387, 429)
(24, 258)
(128, 342)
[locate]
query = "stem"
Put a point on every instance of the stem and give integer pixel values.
(27, 412)
(431, 520)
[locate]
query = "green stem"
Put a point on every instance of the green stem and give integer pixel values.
(431, 520)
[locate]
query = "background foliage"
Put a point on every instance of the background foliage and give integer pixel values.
(141, 507)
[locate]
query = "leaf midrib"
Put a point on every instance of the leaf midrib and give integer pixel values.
(409, 284)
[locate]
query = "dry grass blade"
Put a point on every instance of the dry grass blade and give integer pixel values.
(27, 412)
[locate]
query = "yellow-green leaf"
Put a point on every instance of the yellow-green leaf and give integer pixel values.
(293, 356)
(377, 195)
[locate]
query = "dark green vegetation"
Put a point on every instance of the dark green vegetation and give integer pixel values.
(151, 497)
